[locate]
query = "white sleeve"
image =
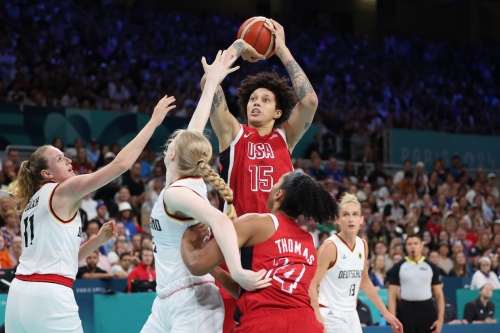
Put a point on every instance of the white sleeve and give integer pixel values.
(113, 257)
(477, 281)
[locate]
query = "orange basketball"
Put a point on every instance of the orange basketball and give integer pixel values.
(255, 33)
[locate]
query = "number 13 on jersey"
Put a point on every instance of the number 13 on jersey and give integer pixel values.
(286, 274)
(261, 177)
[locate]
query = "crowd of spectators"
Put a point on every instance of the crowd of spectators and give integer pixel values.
(99, 55)
(68, 54)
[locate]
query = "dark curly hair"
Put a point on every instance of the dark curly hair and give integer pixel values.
(303, 196)
(286, 98)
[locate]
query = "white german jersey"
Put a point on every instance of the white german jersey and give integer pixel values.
(167, 231)
(50, 245)
(339, 288)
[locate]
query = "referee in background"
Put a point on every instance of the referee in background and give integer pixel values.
(418, 279)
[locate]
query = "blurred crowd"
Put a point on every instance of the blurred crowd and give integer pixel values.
(98, 55)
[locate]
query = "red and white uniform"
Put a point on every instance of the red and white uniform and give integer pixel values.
(252, 165)
(47, 267)
(289, 257)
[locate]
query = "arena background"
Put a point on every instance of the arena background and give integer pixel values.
(444, 53)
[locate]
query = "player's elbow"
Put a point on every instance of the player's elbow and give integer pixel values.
(310, 101)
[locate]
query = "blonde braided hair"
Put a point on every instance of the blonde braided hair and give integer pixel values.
(194, 151)
(213, 178)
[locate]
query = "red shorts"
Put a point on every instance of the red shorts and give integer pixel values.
(283, 321)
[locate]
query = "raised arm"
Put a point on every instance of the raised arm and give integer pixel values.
(214, 73)
(372, 294)
(67, 195)
(327, 256)
(303, 113)
(223, 123)
(184, 200)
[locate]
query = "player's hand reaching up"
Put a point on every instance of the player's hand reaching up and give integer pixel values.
(217, 71)
(107, 231)
(248, 53)
(250, 280)
(161, 109)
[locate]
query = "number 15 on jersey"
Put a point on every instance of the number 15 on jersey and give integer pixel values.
(261, 177)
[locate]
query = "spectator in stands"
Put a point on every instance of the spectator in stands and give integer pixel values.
(5, 261)
(488, 206)
(433, 183)
(459, 266)
(484, 275)
(377, 234)
(58, 143)
(135, 185)
(399, 175)
(378, 272)
(15, 250)
(397, 257)
(406, 186)
(455, 169)
(9, 172)
(136, 242)
(445, 263)
(492, 177)
(450, 187)
(102, 213)
(90, 270)
(364, 314)
(421, 186)
(484, 242)
(473, 260)
(428, 239)
(481, 310)
(378, 176)
(316, 171)
(153, 193)
(394, 230)
(72, 152)
(395, 208)
(144, 270)
(495, 268)
(331, 171)
(433, 257)
(147, 242)
(123, 267)
(475, 190)
(82, 165)
(13, 156)
(122, 245)
(126, 216)
(93, 151)
(380, 249)
(11, 228)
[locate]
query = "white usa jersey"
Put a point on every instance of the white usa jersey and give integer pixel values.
(167, 230)
(50, 245)
(339, 288)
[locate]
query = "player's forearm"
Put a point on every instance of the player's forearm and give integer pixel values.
(313, 295)
(300, 82)
(225, 280)
(373, 296)
(225, 235)
(201, 261)
(87, 248)
(391, 302)
(202, 113)
(235, 50)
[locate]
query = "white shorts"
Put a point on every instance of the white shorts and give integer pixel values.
(40, 307)
(194, 309)
(336, 321)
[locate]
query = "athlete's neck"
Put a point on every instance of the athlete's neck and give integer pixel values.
(263, 130)
(280, 212)
(349, 238)
(171, 176)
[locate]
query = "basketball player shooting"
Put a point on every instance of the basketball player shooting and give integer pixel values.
(342, 261)
(253, 157)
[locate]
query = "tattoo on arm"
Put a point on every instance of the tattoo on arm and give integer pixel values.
(239, 46)
(300, 81)
(218, 100)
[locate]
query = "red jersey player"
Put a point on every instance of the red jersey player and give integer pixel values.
(276, 243)
(253, 157)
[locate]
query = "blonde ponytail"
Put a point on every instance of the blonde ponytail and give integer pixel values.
(213, 178)
(29, 178)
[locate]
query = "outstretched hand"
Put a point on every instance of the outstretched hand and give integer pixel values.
(217, 71)
(279, 33)
(250, 280)
(161, 109)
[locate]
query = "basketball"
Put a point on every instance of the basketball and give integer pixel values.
(254, 32)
